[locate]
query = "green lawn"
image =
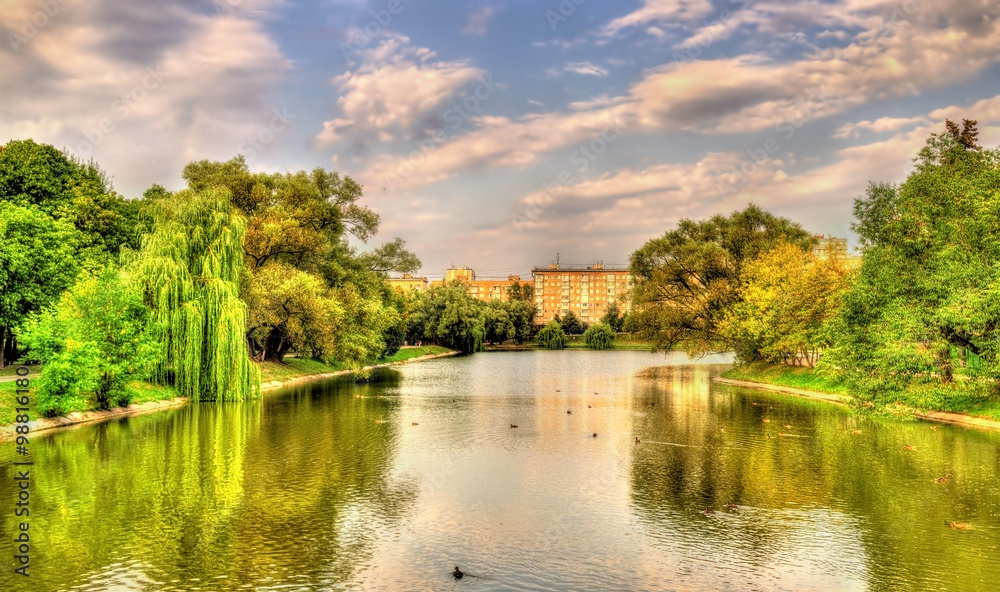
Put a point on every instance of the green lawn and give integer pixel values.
(293, 367)
(790, 376)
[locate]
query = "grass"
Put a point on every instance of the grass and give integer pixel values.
(293, 367)
(969, 399)
(576, 342)
(142, 392)
(790, 376)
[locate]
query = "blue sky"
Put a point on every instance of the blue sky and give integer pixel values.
(634, 113)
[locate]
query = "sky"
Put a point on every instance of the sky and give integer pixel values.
(500, 135)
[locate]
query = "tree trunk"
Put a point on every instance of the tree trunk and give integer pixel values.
(275, 346)
(3, 347)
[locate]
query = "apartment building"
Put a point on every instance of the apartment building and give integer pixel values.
(481, 289)
(587, 290)
(408, 282)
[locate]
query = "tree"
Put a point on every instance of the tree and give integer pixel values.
(599, 336)
(521, 291)
(448, 316)
(787, 297)
(923, 302)
(497, 324)
(687, 280)
(93, 343)
(522, 315)
(37, 263)
(613, 318)
(572, 324)
(391, 256)
(189, 270)
(552, 336)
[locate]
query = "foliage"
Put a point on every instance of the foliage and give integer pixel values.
(189, 269)
(787, 297)
(924, 304)
(522, 315)
(37, 263)
(613, 318)
(498, 326)
(521, 291)
(551, 336)
(688, 279)
(572, 324)
(599, 336)
(298, 225)
(447, 315)
(93, 343)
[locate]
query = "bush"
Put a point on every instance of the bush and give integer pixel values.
(599, 336)
(93, 343)
(552, 336)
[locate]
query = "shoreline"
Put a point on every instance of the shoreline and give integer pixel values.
(77, 418)
(958, 419)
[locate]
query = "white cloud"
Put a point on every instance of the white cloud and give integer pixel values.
(395, 87)
(478, 19)
(657, 11)
(585, 69)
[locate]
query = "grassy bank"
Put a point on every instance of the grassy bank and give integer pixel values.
(142, 392)
(959, 398)
(790, 376)
(295, 367)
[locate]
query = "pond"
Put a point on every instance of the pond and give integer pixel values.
(605, 484)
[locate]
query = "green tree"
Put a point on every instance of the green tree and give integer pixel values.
(923, 303)
(521, 291)
(448, 316)
(552, 336)
(687, 280)
(93, 343)
(599, 336)
(787, 298)
(37, 263)
(189, 269)
(522, 315)
(613, 318)
(498, 325)
(572, 324)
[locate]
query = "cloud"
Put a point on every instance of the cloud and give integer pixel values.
(880, 126)
(143, 88)
(396, 88)
(478, 19)
(658, 11)
(585, 69)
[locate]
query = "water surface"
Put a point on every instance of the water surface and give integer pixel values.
(388, 485)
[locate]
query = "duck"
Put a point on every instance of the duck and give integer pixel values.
(595, 434)
(709, 511)
(958, 525)
(415, 423)
(637, 440)
(942, 479)
(588, 406)
(909, 447)
(457, 573)
(513, 425)
(568, 412)
(731, 506)
(934, 428)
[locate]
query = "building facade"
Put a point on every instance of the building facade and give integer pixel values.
(481, 289)
(407, 283)
(587, 290)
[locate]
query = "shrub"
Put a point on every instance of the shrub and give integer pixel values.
(552, 336)
(599, 336)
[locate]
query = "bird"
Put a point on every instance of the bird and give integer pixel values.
(766, 420)
(855, 431)
(709, 511)
(558, 391)
(513, 425)
(588, 406)
(958, 525)
(415, 423)
(730, 506)
(942, 479)
(595, 434)
(934, 428)
(568, 412)
(457, 573)
(787, 427)
(637, 440)
(909, 447)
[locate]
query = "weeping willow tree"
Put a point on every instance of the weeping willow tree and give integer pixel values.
(190, 268)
